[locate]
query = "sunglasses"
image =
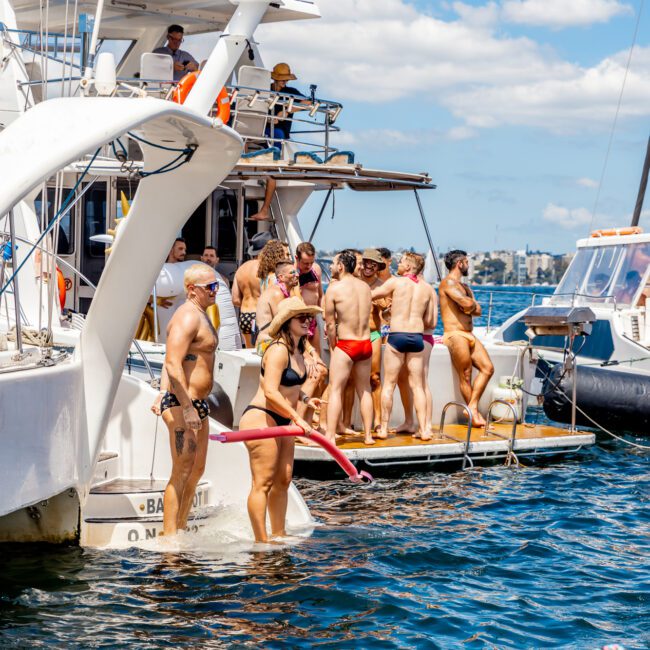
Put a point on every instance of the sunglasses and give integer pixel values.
(303, 318)
(210, 286)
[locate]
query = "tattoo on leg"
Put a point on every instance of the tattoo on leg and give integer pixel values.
(190, 357)
(180, 440)
(191, 445)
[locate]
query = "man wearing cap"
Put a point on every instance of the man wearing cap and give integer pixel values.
(184, 62)
(371, 264)
(246, 287)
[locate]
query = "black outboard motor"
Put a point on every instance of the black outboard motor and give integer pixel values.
(615, 399)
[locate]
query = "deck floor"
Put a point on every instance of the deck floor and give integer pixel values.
(459, 433)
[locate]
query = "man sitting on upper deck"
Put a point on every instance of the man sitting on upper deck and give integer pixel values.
(184, 62)
(457, 307)
(281, 128)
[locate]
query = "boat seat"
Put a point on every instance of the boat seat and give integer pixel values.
(340, 158)
(156, 67)
(251, 120)
(307, 158)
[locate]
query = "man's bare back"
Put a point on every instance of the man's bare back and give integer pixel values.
(246, 287)
(352, 303)
(412, 304)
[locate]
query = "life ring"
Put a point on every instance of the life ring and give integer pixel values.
(617, 232)
(182, 90)
(61, 282)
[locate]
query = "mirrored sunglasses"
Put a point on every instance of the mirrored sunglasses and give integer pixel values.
(210, 286)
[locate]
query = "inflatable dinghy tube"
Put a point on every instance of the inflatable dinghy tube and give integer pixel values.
(294, 431)
(615, 399)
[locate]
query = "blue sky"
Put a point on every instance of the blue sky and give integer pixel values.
(507, 104)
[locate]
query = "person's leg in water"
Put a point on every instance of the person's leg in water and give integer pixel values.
(461, 358)
(393, 362)
(340, 368)
(408, 426)
(482, 362)
(183, 446)
(263, 214)
(279, 494)
(263, 455)
(361, 373)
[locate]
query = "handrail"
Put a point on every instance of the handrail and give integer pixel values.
(442, 434)
(513, 433)
(93, 286)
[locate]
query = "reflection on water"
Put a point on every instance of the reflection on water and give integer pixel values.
(540, 557)
(545, 556)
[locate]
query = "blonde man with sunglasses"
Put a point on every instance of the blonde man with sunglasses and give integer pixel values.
(186, 382)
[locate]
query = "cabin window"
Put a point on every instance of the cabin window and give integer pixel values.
(94, 221)
(119, 48)
(573, 278)
(65, 244)
(633, 274)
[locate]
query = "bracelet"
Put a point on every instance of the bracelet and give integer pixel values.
(305, 399)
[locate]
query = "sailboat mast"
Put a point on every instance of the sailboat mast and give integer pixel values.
(644, 182)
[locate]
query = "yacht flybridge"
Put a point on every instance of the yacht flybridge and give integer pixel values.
(88, 132)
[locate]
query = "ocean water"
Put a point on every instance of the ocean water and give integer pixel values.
(546, 556)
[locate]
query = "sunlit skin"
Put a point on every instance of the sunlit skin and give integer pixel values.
(457, 309)
(177, 252)
(188, 374)
(272, 460)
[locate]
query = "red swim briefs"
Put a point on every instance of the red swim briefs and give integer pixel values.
(356, 350)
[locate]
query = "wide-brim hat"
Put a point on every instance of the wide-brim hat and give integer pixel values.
(289, 308)
(282, 72)
(374, 255)
(257, 242)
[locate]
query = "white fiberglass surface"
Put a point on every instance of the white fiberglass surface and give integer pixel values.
(605, 275)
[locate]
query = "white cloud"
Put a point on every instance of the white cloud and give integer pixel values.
(567, 218)
(587, 182)
(558, 14)
(381, 52)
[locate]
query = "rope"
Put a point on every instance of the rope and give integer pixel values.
(618, 108)
(54, 220)
(42, 339)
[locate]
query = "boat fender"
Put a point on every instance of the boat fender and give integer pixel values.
(292, 432)
(60, 279)
(182, 90)
(616, 400)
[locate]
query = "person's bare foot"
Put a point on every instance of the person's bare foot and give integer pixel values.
(262, 215)
(427, 435)
(478, 420)
(406, 427)
(382, 434)
(368, 440)
(333, 439)
(347, 432)
(307, 442)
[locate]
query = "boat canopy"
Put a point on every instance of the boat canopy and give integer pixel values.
(606, 273)
(128, 19)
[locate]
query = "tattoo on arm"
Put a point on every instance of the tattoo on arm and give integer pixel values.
(190, 357)
(179, 439)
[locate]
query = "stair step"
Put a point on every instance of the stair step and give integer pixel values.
(107, 467)
(120, 533)
(123, 499)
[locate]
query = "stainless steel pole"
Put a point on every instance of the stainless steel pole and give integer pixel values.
(12, 237)
(320, 214)
(426, 230)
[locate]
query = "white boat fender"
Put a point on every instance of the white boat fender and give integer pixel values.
(508, 390)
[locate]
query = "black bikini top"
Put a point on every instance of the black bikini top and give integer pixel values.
(289, 376)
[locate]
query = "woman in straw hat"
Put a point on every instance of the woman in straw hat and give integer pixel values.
(283, 373)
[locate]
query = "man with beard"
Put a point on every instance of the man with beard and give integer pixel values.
(457, 308)
(372, 263)
(347, 312)
(311, 288)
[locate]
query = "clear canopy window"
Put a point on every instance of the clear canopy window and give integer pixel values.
(610, 275)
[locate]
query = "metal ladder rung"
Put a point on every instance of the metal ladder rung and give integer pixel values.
(513, 434)
(467, 441)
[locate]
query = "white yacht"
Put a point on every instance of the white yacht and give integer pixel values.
(82, 126)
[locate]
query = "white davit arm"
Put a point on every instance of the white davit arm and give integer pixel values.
(225, 54)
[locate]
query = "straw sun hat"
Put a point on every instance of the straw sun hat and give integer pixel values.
(282, 72)
(289, 308)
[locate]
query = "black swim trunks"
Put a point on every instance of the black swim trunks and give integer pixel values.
(246, 320)
(170, 400)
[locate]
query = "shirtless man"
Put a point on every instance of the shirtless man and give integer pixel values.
(246, 289)
(347, 312)
(286, 278)
(412, 311)
(311, 287)
(457, 307)
(371, 265)
(185, 384)
(178, 251)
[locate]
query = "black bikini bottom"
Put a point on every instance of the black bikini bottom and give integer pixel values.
(279, 419)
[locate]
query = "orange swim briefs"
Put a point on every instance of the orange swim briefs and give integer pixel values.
(468, 336)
